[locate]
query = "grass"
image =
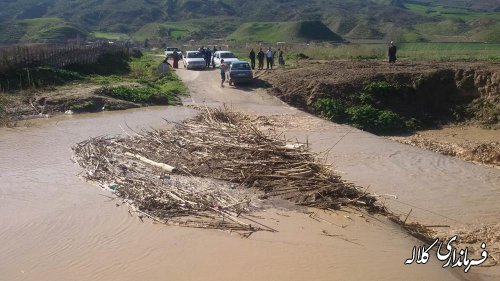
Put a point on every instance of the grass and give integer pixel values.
(153, 89)
(110, 36)
(450, 51)
(301, 31)
(406, 51)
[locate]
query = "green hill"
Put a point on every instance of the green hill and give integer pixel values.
(218, 27)
(195, 19)
(301, 31)
(41, 29)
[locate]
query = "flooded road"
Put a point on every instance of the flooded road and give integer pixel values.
(54, 226)
(439, 189)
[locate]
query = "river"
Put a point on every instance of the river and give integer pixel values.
(55, 226)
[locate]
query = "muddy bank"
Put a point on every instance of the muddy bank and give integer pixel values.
(111, 84)
(468, 143)
(404, 98)
(426, 93)
(77, 98)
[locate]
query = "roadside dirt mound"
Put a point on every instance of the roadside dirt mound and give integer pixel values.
(424, 86)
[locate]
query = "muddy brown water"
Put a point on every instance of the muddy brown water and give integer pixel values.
(54, 226)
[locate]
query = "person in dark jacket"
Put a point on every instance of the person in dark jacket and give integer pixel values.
(261, 56)
(252, 58)
(176, 57)
(208, 57)
(281, 60)
(392, 52)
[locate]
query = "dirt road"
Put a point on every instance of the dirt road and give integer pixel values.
(53, 226)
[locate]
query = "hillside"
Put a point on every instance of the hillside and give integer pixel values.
(187, 19)
(40, 29)
(284, 31)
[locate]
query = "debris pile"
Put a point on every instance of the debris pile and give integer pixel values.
(218, 145)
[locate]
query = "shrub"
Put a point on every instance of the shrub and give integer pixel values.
(389, 121)
(142, 95)
(379, 87)
(367, 117)
(363, 117)
(331, 109)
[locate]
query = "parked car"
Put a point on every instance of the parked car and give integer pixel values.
(227, 56)
(193, 60)
(240, 72)
(169, 52)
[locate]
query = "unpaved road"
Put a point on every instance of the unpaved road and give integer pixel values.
(53, 226)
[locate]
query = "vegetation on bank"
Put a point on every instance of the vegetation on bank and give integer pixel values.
(128, 79)
(383, 107)
(164, 90)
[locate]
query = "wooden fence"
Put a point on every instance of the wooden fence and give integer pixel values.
(18, 56)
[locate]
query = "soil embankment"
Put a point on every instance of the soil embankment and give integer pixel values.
(405, 97)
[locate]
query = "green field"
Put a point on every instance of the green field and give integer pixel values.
(110, 36)
(451, 51)
(406, 51)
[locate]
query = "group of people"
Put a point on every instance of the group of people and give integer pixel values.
(269, 55)
(207, 54)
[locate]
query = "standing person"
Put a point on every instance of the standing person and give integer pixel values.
(252, 58)
(175, 56)
(269, 58)
(223, 69)
(392, 52)
(208, 57)
(281, 61)
(261, 56)
(213, 57)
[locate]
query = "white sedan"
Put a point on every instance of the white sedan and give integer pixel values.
(194, 60)
(227, 56)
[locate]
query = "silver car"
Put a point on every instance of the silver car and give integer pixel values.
(194, 60)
